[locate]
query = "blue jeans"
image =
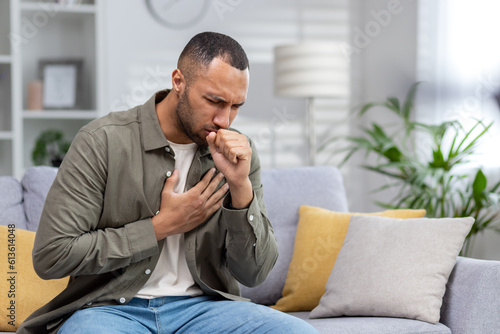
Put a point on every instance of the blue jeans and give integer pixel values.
(201, 314)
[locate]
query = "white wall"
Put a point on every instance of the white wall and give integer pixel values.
(384, 37)
(141, 53)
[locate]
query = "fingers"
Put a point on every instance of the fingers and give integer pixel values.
(180, 213)
(211, 141)
(231, 144)
(205, 189)
(216, 206)
(235, 153)
(208, 201)
(205, 181)
(218, 196)
(208, 184)
(209, 191)
(171, 181)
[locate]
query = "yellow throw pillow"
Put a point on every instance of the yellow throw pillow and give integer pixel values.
(22, 290)
(320, 235)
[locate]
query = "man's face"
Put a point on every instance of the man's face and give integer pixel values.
(212, 100)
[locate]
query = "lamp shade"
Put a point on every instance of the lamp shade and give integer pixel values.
(311, 69)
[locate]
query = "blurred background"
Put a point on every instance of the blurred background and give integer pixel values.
(115, 54)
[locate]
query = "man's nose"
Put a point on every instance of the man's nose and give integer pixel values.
(221, 119)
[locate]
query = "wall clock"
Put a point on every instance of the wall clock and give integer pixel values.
(177, 14)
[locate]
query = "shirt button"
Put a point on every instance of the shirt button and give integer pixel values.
(250, 218)
(122, 300)
(167, 149)
(168, 174)
(157, 212)
(89, 303)
(148, 271)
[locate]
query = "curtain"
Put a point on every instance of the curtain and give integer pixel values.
(459, 61)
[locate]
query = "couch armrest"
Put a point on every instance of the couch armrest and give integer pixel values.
(472, 300)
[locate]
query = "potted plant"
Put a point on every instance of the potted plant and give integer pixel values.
(434, 179)
(50, 148)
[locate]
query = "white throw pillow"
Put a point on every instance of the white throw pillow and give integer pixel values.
(393, 267)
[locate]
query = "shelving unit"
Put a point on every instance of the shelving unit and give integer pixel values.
(5, 135)
(34, 6)
(5, 59)
(44, 30)
(6, 92)
(73, 114)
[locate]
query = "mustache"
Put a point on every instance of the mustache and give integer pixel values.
(212, 128)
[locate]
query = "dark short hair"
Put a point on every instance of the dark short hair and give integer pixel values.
(206, 46)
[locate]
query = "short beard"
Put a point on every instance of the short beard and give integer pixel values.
(186, 120)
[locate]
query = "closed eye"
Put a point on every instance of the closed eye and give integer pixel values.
(221, 101)
(214, 102)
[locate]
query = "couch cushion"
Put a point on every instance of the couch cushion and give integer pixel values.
(36, 183)
(394, 267)
(30, 292)
(285, 190)
(471, 303)
(319, 237)
(371, 325)
(11, 203)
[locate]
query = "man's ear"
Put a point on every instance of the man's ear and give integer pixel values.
(178, 82)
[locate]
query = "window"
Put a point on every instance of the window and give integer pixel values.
(459, 57)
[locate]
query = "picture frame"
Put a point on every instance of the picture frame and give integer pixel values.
(62, 83)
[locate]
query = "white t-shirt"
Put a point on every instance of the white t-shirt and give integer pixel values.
(171, 277)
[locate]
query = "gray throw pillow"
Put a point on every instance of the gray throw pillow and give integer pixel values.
(393, 267)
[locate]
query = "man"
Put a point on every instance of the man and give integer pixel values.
(157, 213)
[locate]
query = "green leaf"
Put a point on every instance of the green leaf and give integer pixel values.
(438, 159)
(495, 187)
(49, 145)
(469, 149)
(382, 171)
(386, 205)
(367, 107)
(393, 104)
(478, 186)
(408, 105)
(392, 153)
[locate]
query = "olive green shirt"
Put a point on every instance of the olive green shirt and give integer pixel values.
(96, 224)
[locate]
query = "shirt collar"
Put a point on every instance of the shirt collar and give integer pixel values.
(152, 135)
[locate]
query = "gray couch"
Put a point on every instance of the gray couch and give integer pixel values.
(471, 304)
